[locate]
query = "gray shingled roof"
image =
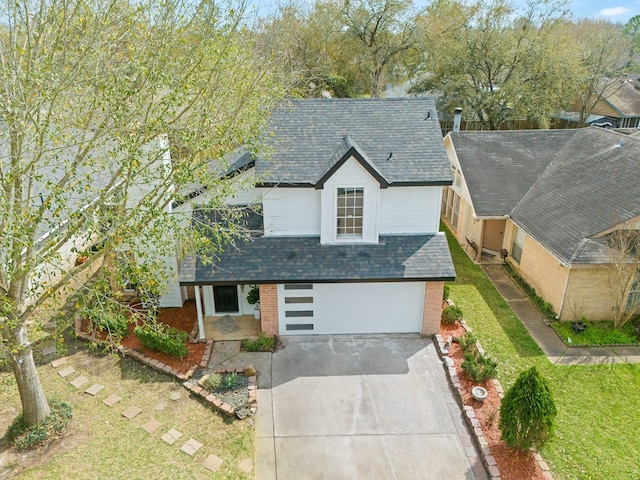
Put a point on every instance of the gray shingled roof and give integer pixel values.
(499, 167)
(304, 259)
(589, 184)
(306, 134)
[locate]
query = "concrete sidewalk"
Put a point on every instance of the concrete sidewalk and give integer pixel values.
(553, 347)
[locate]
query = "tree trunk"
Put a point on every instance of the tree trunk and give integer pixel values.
(34, 402)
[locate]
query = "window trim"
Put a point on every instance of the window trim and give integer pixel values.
(515, 242)
(346, 237)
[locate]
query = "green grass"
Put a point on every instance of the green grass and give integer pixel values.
(597, 333)
(598, 422)
(260, 344)
(101, 443)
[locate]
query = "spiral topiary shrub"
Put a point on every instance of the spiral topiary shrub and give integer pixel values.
(528, 412)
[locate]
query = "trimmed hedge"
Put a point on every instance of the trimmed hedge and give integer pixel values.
(165, 339)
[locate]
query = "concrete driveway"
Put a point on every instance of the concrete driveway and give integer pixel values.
(346, 407)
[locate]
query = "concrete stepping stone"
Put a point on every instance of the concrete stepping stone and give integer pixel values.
(47, 352)
(59, 361)
(171, 436)
(245, 465)
(191, 447)
(131, 412)
(94, 389)
(111, 400)
(213, 463)
(65, 372)
(80, 381)
(151, 426)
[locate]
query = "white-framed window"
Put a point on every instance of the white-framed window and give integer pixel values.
(634, 294)
(457, 177)
(451, 207)
(518, 243)
(350, 212)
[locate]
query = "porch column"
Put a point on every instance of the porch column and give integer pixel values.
(199, 312)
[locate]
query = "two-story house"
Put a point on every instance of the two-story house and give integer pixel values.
(347, 209)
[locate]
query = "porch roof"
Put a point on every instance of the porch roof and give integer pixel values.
(304, 259)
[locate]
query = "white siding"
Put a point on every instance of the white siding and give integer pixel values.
(172, 295)
(292, 212)
(350, 175)
(409, 210)
(352, 308)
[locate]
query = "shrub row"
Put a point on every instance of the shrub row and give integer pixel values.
(165, 339)
(545, 307)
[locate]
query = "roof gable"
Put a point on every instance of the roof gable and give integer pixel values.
(589, 183)
(351, 150)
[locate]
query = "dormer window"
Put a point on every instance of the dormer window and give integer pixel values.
(350, 212)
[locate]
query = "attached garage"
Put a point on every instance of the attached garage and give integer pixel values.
(350, 308)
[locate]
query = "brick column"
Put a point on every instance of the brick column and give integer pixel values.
(432, 309)
(269, 309)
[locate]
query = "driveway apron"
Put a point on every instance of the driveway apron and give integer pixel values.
(351, 407)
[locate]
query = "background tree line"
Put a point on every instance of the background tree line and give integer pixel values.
(499, 61)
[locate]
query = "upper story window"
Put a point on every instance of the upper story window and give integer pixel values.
(350, 212)
(457, 177)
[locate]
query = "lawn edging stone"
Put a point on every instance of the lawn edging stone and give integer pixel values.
(470, 416)
(216, 403)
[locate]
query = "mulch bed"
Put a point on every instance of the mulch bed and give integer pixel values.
(512, 463)
(180, 318)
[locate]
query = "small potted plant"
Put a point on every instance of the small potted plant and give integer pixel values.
(253, 298)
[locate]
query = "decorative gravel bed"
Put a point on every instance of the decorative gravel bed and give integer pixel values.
(238, 397)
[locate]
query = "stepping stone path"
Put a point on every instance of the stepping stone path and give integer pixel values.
(171, 436)
(65, 372)
(131, 412)
(47, 352)
(213, 463)
(60, 361)
(245, 465)
(94, 389)
(151, 426)
(111, 400)
(80, 381)
(191, 447)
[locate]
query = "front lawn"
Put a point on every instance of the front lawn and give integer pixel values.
(100, 443)
(598, 422)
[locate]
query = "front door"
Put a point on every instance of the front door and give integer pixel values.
(493, 234)
(226, 298)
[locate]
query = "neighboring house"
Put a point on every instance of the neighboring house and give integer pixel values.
(546, 199)
(346, 210)
(617, 104)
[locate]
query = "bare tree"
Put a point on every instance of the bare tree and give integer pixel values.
(623, 274)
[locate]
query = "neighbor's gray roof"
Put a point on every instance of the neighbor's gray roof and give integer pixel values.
(303, 259)
(590, 183)
(308, 135)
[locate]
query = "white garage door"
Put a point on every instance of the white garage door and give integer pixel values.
(328, 308)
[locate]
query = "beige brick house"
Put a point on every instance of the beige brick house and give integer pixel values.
(545, 201)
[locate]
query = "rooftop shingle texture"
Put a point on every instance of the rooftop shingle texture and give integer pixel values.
(306, 134)
(304, 259)
(624, 95)
(591, 185)
(500, 167)
(580, 183)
